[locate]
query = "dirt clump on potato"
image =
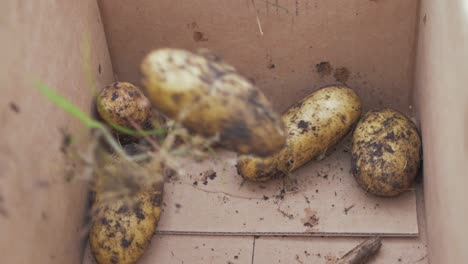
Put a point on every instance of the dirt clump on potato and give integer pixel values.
(386, 152)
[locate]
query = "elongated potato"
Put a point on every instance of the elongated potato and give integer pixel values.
(386, 152)
(210, 98)
(122, 102)
(314, 125)
(123, 225)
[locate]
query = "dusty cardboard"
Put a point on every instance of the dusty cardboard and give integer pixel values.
(368, 45)
(371, 42)
(442, 98)
(326, 201)
(376, 39)
(41, 214)
(194, 250)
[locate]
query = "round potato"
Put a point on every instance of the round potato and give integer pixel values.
(210, 98)
(121, 102)
(314, 125)
(386, 152)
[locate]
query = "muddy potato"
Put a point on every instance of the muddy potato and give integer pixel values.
(120, 102)
(123, 225)
(314, 125)
(386, 152)
(210, 98)
(122, 231)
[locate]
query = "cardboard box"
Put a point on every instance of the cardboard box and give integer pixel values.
(405, 54)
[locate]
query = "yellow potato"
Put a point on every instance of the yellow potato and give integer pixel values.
(386, 152)
(126, 212)
(210, 98)
(122, 231)
(314, 125)
(122, 102)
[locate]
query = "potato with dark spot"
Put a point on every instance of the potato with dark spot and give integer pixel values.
(123, 225)
(314, 125)
(386, 152)
(210, 98)
(121, 102)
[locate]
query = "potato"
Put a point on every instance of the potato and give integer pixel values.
(123, 225)
(314, 125)
(122, 232)
(386, 152)
(120, 102)
(210, 98)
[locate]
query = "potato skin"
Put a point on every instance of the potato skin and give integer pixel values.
(386, 152)
(210, 98)
(120, 102)
(314, 125)
(123, 226)
(122, 232)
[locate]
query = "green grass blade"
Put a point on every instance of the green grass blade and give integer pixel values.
(67, 106)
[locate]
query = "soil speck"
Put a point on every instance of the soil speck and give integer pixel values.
(42, 184)
(303, 124)
(323, 68)
(3, 212)
(66, 140)
(331, 259)
(310, 219)
(199, 36)
(192, 25)
(341, 74)
(14, 107)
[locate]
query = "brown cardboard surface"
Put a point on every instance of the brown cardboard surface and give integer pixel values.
(259, 250)
(326, 201)
(327, 250)
(194, 250)
(41, 214)
(298, 47)
(442, 98)
(368, 44)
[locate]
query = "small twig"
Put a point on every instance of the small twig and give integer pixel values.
(289, 216)
(348, 208)
(362, 253)
(258, 18)
(259, 24)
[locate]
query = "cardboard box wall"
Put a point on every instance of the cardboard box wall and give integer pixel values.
(398, 53)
